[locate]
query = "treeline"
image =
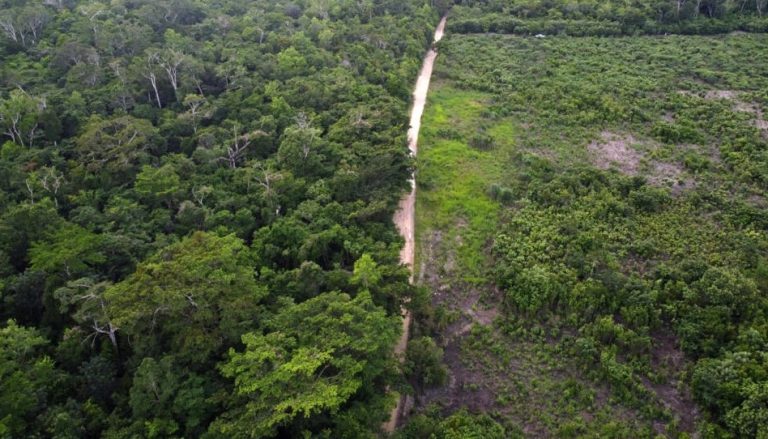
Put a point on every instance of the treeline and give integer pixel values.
(195, 215)
(582, 18)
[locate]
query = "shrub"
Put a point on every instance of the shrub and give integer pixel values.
(481, 141)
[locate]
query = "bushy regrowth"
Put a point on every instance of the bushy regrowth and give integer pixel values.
(624, 209)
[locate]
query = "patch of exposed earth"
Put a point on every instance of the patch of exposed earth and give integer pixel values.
(628, 155)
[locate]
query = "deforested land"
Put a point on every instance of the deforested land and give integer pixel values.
(591, 226)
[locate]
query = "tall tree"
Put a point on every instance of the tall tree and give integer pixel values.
(192, 298)
(25, 378)
(19, 117)
(315, 357)
(116, 145)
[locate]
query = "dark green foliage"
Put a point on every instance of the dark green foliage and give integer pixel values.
(501, 194)
(459, 425)
(172, 174)
(27, 378)
(481, 140)
(424, 364)
(190, 299)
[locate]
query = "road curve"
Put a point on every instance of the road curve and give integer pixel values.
(404, 217)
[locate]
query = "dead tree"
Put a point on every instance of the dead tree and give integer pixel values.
(171, 63)
(152, 60)
(236, 150)
(52, 182)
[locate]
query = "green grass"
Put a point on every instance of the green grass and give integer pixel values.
(454, 177)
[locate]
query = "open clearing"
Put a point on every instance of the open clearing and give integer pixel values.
(553, 168)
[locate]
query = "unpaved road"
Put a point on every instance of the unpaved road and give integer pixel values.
(404, 217)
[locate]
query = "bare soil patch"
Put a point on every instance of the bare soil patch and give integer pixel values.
(615, 150)
(758, 200)
(760, 122)
(466, 387)
(623, 152)
(720, 94)
(670, 175)
(711, 94)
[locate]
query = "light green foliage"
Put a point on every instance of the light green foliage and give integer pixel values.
(19, 115)
(25, 378)
(459, 425)
(291, 62)
(453, 177)
(70, 251)
(195, 295)
(315, 356)
(463, 425)
(536, 288)
(366, 273)
(158, 184)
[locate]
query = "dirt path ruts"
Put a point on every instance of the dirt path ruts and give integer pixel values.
(404, 217)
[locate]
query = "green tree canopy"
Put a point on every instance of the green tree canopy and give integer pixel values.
(68, 252)
(25, 377)
(116, 144)
(191, 298)
(314, 358)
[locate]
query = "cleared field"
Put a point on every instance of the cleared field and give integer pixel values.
(591, 222)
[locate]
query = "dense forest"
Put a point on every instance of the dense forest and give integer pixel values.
(195, 215)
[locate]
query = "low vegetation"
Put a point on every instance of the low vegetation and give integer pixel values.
(606, 240)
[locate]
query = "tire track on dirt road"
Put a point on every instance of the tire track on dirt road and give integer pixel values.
(404, 218)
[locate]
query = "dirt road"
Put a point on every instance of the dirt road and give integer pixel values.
(404, 217)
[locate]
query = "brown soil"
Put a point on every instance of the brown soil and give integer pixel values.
(720, 94)
(465, 386)
(760, 122)
(615, 150)
(624, 153)
(711, 94)
(404, 217)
